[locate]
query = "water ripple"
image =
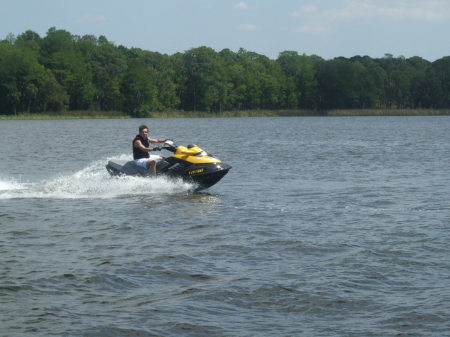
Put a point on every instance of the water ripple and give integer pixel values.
(340, 228)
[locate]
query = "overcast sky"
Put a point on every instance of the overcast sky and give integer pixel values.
(328, 28)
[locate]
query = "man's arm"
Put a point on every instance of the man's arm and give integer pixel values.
(154, 140)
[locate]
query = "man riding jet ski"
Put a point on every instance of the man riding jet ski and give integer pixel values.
(142, 149)
(190, 163)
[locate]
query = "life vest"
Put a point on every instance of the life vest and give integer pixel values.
(138, 153)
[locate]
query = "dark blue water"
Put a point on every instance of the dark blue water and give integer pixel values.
(324, 227)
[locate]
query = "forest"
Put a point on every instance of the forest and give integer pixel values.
(64, 72)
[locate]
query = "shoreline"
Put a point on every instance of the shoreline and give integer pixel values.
(231, 114)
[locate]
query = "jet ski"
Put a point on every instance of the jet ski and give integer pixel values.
(191, 163)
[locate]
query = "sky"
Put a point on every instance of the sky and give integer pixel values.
(327, 28)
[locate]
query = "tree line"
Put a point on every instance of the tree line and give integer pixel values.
(62, 72)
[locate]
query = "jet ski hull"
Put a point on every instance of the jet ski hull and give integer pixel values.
(202, 175)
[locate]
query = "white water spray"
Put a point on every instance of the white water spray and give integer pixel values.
(92, 182)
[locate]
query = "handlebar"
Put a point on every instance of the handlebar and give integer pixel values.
(169, 146)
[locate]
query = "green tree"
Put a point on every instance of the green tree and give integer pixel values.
(233, 81)
(62, 71)
(108, 66)
(300, 71)
(56, 40)
(421, 82)
(397, 85)
(160, 71)
(25, 85)
(263, 78)
(201, 80)
(440, 74)
(139, 90)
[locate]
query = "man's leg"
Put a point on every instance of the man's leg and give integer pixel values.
(152, 166)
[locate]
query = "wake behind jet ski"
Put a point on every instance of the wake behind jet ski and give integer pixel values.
(190, 163)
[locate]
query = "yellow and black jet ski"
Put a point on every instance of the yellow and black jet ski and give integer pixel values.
(190, 163)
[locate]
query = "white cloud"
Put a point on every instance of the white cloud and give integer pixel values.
(247, 27)
(315, 28)
(240, 5)
(92, 18)
(308, 9)
(415, 10)
(418, 10)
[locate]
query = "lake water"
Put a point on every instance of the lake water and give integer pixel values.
(323, 227)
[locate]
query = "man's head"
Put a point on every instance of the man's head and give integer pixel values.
(143, 131)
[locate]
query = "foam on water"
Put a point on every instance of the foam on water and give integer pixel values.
(10, 185)
(92, 181)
